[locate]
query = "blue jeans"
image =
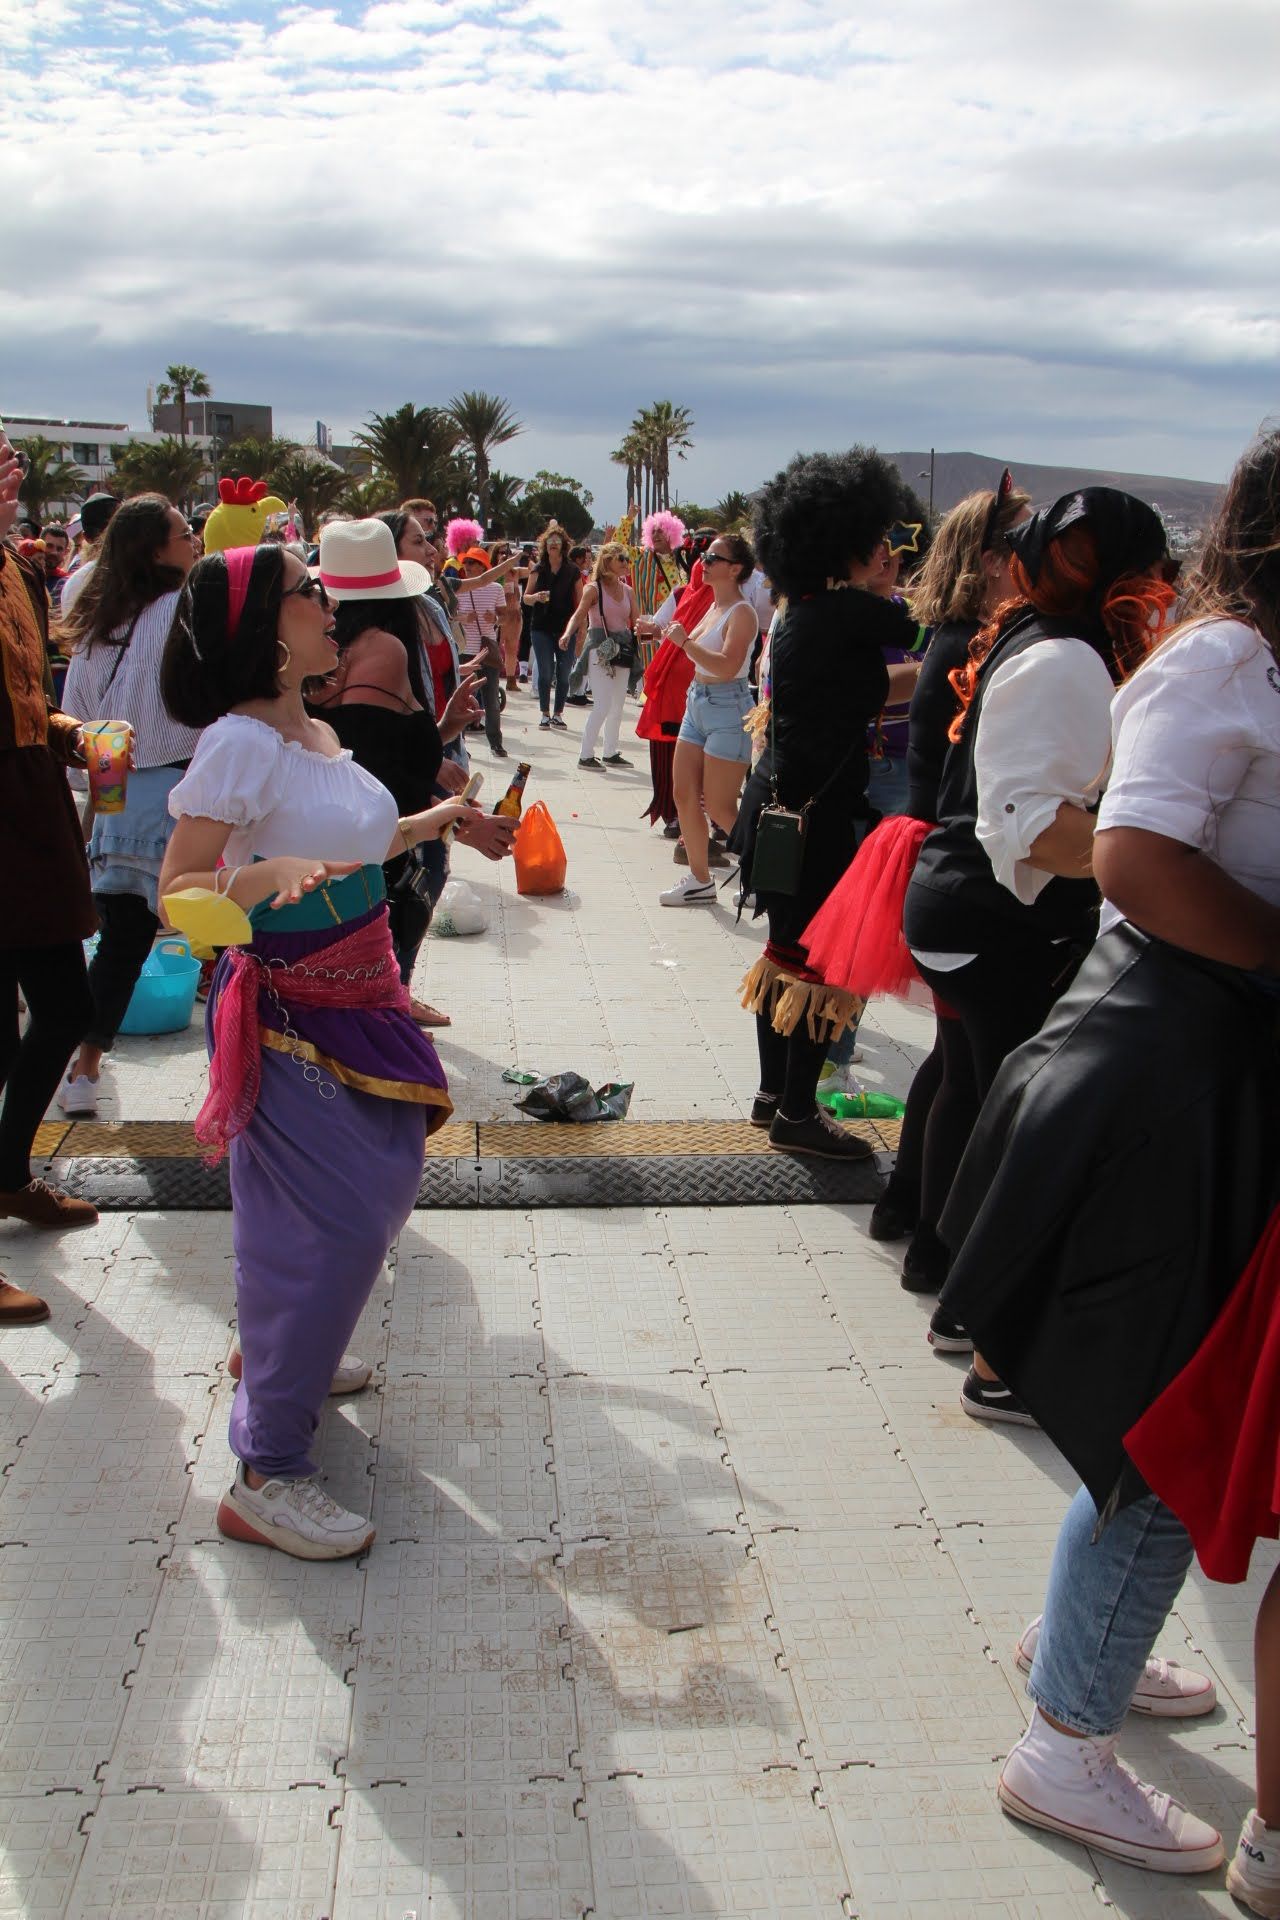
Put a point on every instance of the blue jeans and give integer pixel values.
(554, 668)
(1106, 1604)
(888, 785)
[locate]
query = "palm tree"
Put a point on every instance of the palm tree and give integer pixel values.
(504, 494)
(49, 477)
(732, 510)
(415, 450)
(363, 498)
(167, 466)
(179, 382)
(664, 429)
(483, 422)
(307, 477)
(253, 458)
(631, 456)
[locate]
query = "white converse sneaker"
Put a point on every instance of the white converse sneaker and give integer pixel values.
(296, 1516)
(1254, 1874)
(1079, 1788)
(351, 1375)
(1166, 1690)
(689, 892)
(78, 1097)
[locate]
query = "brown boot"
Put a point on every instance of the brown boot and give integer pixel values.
(19, 1309)
(41, 1205)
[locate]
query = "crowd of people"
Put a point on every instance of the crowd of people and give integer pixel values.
(1013, 768)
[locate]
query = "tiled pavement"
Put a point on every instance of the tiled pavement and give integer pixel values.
(694, 1591)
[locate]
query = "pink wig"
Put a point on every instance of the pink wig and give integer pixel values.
(669, 523)
(463, 533)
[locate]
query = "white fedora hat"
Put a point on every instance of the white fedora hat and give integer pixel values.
(358, 562)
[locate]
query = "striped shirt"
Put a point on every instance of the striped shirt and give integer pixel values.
(111, 682)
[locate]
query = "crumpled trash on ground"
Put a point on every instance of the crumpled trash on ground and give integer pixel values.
(567, 1096)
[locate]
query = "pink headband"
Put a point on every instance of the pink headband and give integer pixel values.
(239, 566)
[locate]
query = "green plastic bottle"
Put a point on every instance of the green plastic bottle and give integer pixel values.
(863, 1106)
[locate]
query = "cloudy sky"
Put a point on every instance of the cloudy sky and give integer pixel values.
(1031, 230)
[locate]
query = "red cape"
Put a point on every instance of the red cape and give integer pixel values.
(667, 676)
(1209, 1445)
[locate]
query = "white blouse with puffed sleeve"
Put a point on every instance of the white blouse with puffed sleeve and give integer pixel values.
(282, 798)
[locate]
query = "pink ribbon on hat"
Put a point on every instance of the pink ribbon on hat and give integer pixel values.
(340, 580)
(239, 566)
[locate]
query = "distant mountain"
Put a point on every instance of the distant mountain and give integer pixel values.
(1188, 502)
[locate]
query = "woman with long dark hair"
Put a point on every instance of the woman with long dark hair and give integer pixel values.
(1119, 1177)
(117, 631)
(552, 597)
(378, 704)
(819, 530)
(856, 940)
(1002, 905)
(321, 1086)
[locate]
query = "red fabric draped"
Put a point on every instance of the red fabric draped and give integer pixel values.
(667, 676)
(358, 970)
(1210, 1445)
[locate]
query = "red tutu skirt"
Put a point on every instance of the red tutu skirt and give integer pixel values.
(1210, 1445)
(854, 941)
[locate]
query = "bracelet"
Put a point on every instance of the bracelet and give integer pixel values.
(232, 874)
(404, 835)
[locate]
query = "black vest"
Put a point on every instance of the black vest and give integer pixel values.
(955, 904)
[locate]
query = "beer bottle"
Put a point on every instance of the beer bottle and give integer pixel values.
(510, 804)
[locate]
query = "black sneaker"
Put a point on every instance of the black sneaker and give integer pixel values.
(671, 831)
(589, 765)
(926, 1262)
(818, 1136)
(763, 1108)
(616, 760)
(545, 720)
(499, 753)
(894, 1215)
(990, 1400)
(947, 1335)
(558, 720)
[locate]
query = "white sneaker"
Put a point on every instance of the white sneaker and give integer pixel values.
(78, 1097)
(1166, 1690)
(1254, 1874)
(351, 1375)
(689, 892)
(296, 1516)
(835, 1079)
(1080, 1789)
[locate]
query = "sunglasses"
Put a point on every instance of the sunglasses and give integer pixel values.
(308, 589)
(709, 559)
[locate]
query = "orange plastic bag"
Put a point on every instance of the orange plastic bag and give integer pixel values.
(541, 862)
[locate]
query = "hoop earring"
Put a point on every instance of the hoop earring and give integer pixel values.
(282, 666)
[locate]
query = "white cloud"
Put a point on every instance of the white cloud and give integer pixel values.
(928, 217)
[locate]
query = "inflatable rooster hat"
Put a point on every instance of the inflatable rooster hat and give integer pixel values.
(241, 516)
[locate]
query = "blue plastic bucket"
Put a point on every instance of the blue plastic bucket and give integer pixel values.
(165, 995)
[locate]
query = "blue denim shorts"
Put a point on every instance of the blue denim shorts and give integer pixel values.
(713, 718)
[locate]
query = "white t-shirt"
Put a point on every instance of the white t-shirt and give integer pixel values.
(281, 798)
(1197, 753)
(1044, 737)
(74, 585)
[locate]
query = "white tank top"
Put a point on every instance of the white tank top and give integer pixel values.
(713, 641)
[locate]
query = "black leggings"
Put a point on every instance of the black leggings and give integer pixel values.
(790, 1065)
(1001, 999)
(55, 987)
(129, 929)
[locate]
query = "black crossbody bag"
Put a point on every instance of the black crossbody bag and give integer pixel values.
(777, 859)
